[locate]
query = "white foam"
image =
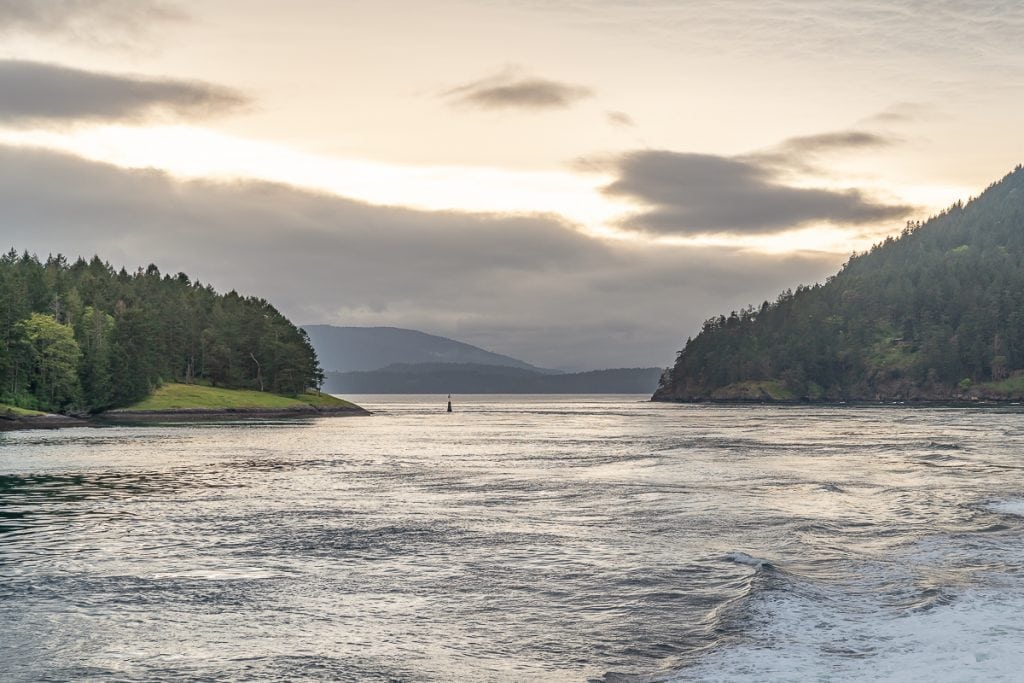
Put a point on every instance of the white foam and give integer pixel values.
(1007, 507)
(743, 558)
(977, 637)
(866, 624)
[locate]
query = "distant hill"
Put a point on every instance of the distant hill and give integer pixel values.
(936, 314)
(473, 378)
(352, 349)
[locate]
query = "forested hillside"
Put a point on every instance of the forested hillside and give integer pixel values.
(85, 337)
(933, 314)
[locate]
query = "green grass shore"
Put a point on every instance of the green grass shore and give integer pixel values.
(15, 411)
(177, 397)
(190, 403)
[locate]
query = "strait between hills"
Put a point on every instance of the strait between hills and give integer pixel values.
(391, 360)
(935, 315)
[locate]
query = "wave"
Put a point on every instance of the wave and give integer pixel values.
(1013, 507)
(801, 637)
(749, 560)
(942, 608)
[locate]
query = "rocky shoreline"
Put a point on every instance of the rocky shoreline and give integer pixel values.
(204, 414)
(9, 422)
(865, 403)
(877, 393)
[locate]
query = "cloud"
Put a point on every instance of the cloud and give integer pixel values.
(528, 286)
(836, 140)
(901, 112)
(620, 118)
(951, 35)
(799, 154)
(94, 20)
(513, 90)
(34, 92)
(690, 194)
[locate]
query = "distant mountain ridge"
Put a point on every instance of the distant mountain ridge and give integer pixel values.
(360, 349)
(473, 378)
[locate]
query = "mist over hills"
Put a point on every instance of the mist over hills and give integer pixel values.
(935, 314)
(386, 360)
(471, 378)
(355, 349)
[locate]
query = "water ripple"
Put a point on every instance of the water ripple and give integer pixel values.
(532, 539)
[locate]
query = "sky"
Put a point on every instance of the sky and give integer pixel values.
(576, 184)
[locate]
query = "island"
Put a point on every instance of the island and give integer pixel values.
(83, 343)
(934, 315)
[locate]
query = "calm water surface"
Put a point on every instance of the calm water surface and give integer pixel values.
(520, 538)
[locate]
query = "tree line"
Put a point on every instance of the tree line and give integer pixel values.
(935, 309)
(84, 337)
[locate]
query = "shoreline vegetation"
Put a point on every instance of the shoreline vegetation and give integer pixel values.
(191, 403)
(474, 378)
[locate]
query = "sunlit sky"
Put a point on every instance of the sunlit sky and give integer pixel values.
(578, 184)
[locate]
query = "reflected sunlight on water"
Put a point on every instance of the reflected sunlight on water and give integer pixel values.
(557, 538)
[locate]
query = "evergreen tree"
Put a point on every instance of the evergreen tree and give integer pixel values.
(53, 356)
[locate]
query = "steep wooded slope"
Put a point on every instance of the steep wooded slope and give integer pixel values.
(934, 314)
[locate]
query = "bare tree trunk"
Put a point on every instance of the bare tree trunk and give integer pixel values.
(259, 370)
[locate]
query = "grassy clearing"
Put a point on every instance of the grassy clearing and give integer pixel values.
(778, 391)
(198, 397)
(18, 412)
(1011, 386)
(754, 390)
(889, 354)
(324, 400)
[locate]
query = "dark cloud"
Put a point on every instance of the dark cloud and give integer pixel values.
(837, 140)
(33, 92)
(701, 193)
(85, 19)
(801, 154)
(513, 90)
(528, 286)
(620, 118)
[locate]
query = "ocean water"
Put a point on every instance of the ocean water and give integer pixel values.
(520, 538)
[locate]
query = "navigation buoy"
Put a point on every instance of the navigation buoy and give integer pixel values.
(449, 403)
